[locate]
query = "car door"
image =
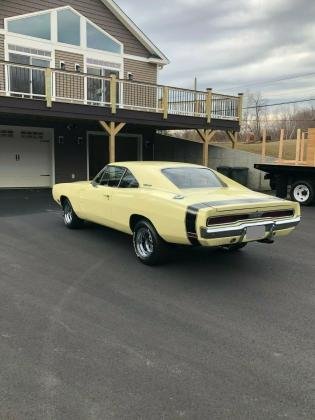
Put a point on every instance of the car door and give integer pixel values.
(123, 201)
(97, 199)
(94, 199)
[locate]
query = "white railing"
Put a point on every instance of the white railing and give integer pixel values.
(55, 85)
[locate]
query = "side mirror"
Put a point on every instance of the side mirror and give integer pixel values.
(94, 184)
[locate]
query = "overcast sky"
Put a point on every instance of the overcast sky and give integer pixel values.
(230, 45)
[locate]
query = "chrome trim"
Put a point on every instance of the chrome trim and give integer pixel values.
(228, 231)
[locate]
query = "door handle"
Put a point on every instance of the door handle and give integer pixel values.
(107, 196)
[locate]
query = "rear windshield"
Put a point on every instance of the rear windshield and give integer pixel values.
(193, 178)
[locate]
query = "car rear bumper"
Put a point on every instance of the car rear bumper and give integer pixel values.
(271, 228)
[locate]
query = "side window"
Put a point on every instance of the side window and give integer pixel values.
(97, 179)
(128, 181)
(112, 176)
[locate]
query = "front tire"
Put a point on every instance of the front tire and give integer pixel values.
(149, 247)
(302, 192)
(71, 220)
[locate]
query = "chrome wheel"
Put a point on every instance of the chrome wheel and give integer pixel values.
(68, 213)
(144, 242)
(301, 193)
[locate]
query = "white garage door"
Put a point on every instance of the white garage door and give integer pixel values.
(25, 157)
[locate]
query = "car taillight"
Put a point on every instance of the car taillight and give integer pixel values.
(278, 213)
(226, 219)
(240, 217)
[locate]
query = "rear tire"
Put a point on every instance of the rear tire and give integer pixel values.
(302, 192)
(71, 220)
(149, 247)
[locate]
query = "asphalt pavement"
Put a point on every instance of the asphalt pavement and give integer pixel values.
(87, 332)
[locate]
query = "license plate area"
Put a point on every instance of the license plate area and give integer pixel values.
(255, 233)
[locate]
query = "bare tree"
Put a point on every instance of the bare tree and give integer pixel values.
(256, 113)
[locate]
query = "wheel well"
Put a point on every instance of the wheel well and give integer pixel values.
(135, 218)
(62, 199)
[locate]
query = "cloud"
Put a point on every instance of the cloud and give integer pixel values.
(232, 44)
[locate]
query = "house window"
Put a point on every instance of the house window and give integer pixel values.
(69, 27)
(99, 41)
(36, 26)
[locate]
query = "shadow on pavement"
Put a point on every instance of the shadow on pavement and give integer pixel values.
(23, 202)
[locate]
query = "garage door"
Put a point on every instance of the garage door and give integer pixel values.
(25, 157)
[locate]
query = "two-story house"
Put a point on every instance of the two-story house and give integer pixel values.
(79, 88)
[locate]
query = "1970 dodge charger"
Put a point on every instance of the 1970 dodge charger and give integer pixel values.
(163, 203)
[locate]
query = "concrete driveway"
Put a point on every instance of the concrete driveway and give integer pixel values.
(87, 332)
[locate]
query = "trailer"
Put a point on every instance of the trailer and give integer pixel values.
(299, 179)
(298, 175)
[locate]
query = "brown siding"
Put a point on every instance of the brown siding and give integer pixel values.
(94, 10)
(143, 72)
(69, 85)
(2, 77)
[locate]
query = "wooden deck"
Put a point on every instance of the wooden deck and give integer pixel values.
(55, 92)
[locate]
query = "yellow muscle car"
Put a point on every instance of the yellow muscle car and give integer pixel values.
(164, 203)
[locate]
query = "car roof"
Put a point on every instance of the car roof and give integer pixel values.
(149, 174)
(155, 164)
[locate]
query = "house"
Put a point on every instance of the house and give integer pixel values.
(79, 88)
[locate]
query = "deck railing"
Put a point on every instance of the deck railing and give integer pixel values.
(55, 85)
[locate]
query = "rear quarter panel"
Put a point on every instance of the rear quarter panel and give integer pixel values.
(166, 213)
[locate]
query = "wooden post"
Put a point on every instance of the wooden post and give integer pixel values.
(206, 136)
(302, 150)
(298, 146)
(209, 105)
(233, 137)
(281, 143)
(112, 131)
(240, 107)
(165, 102)
(48, 87)
(113, 93)
(263, 146)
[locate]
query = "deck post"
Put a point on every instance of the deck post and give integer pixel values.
(240, 107)
(113, 93)
(165, 102)
(206, 136)
(112, 131)
(233, 137)
(48, 87)
(209, 105)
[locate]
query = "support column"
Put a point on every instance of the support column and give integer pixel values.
(233, 137)
(112, 130)
(206, 136)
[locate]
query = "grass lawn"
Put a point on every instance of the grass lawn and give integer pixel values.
(272, 148)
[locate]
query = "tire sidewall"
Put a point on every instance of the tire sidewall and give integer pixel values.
(66, 208)
(310, 188)
(156, 256)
